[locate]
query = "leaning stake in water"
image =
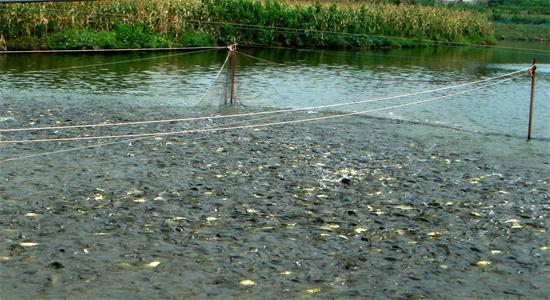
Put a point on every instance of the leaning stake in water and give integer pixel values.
(532, 72)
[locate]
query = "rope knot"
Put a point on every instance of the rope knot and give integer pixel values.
(232, 47)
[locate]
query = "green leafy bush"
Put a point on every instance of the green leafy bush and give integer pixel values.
(81, 39)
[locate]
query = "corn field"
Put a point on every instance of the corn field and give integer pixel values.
(161, 23)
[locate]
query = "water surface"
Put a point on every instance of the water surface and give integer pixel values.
(302, 78)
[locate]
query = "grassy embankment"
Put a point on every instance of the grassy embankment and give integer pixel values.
(173, 23)
(527, 20)
(517, 20)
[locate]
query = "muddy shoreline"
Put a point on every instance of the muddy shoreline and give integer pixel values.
(346, 208)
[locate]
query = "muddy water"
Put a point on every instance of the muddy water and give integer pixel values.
(344, 208)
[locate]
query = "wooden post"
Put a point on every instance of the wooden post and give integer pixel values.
(233, 49)
(532, 71)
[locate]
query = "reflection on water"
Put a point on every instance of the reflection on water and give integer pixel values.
(302, 78)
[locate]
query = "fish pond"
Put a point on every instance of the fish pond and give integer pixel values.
(433, 195)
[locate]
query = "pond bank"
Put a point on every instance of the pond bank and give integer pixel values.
(171, 23)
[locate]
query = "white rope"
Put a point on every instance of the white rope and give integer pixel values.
(114, 142)
(255, 125)
(68, 150)
(107, 50)
(261, 59)
(257, 113)
(267, 80)
(215, 78)
(123, 61)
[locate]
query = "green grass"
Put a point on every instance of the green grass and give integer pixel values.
(512, 19)
(523, 32)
